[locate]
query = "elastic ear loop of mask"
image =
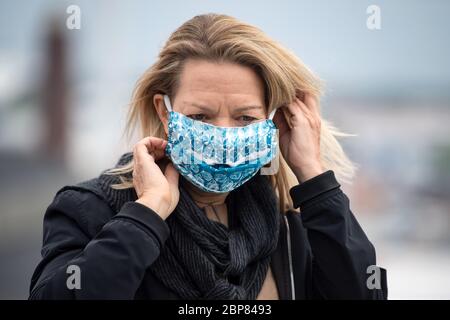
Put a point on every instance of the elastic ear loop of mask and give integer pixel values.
(167, 103)
(272, 113)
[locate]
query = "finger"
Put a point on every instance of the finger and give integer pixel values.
(298, 114)
(155, 146)
(312, 110)
(294, 108)
(305, 109)
(280, 121)
(287, 116)
(154, 143)
(140, 153)
(172, 175)
(307, 113)
(311, 102)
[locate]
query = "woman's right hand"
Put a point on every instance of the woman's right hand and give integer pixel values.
(155, 189)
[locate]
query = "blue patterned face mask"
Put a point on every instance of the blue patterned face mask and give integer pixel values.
(219, 159)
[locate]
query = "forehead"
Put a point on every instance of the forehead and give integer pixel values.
(201, 77)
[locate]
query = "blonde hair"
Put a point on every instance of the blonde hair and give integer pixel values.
(222, 38)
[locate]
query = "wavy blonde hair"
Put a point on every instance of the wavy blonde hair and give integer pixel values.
(222, 38)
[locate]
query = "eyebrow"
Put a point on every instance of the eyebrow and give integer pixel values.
(243, 108)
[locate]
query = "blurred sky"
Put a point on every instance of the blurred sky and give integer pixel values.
(118, 38)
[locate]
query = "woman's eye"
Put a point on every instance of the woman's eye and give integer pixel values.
(247, 118)
(199, 117)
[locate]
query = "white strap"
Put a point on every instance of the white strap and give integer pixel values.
(272, 113)
(167, 102)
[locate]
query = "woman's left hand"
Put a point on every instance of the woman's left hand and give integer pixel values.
(299, 136)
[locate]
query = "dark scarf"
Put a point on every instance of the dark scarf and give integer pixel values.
(203, 259)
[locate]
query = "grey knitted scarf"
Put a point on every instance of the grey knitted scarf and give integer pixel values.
(202, 258)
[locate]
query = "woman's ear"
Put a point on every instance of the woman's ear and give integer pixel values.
(161, 110)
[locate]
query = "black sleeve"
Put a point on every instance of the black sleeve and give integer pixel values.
(341, 251)
(112, 264)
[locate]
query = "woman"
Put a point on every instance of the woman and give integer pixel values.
(207, 204)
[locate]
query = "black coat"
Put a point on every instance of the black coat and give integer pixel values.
(322, 252)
